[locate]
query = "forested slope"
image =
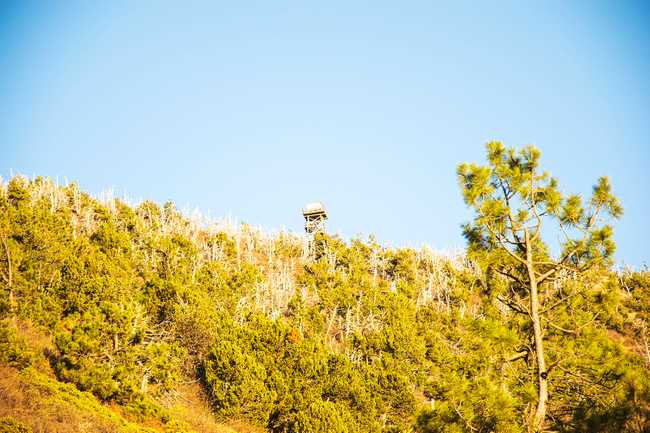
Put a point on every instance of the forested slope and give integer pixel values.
(131, 305)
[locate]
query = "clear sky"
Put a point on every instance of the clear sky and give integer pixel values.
(255, 108)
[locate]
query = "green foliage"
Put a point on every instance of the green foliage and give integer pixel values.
(108, 353)
(511, 195)
(361, 339)
(54, 406)
(9, 424)
(237, 381)
(13, 350)
(561, 302)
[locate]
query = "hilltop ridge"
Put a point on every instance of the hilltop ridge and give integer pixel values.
(116, 310)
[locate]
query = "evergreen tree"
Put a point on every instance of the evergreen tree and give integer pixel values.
(515, 203)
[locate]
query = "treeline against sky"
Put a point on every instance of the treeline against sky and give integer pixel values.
(338, 336)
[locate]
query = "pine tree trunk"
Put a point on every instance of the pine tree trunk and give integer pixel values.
(540, 412)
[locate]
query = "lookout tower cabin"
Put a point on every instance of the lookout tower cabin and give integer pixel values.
(315, 217)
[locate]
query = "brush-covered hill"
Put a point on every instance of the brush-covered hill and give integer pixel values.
(120, 318)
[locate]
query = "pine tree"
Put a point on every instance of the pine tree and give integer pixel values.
(515, 203)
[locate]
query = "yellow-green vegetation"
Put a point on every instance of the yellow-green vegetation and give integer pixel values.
(32, 399)
(513, 200)
(137, 302)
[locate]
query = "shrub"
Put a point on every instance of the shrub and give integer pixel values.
(9, 424)
(13, 350)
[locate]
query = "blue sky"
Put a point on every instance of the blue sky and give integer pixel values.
(255, 108)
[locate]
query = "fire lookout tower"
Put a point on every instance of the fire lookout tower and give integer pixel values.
(315, 217)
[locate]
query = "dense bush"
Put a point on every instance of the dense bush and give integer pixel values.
(13, 350)
(9, 424)
(356, 338)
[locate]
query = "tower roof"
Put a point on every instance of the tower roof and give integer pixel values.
(315, 208)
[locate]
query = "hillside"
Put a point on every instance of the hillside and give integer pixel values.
(129, 318)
